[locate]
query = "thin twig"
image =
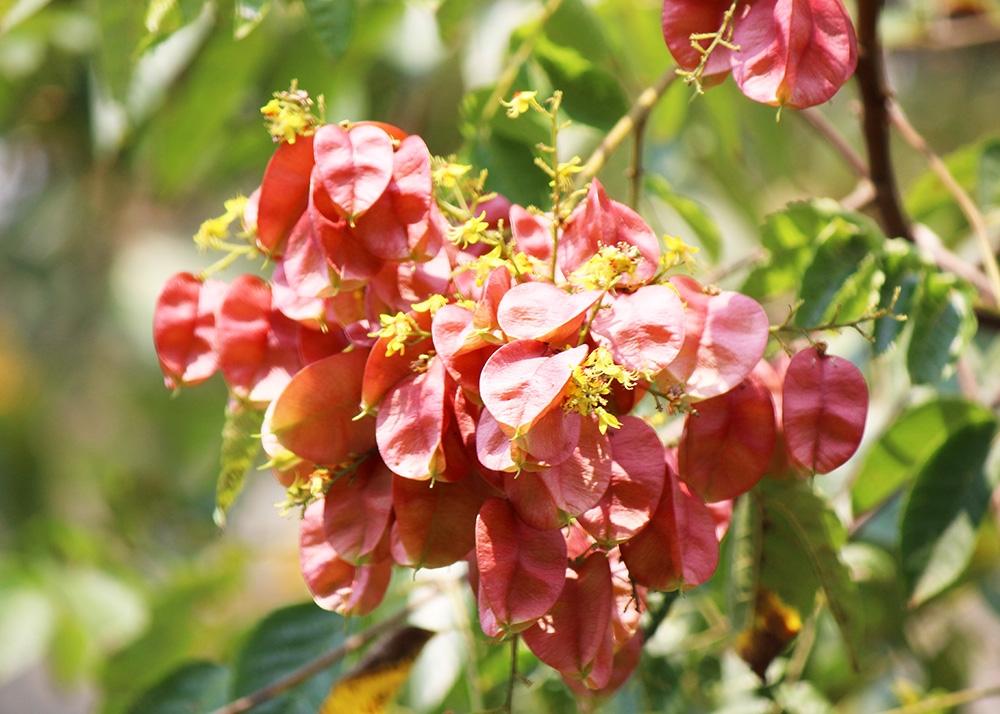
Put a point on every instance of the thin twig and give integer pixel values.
(874, 97)
(962, 198)
(636, 116)
(946, 701)
(314, 667)
(834, 138)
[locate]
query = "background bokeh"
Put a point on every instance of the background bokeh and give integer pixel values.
(117, 140)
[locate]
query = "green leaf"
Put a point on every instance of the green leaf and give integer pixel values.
(691, 212)
(240, 446)
(284, 641)
(940, 519)
(989, 175)
(902, 269)
(122, 28)
(574, 25)
(844, 246)
(248, 14)
(334, 23)
(529, 129)
(511, 170)
(788, 237)
(943, 324)
(196, 687)
(907, 446)
(799, 555)
(19, 12)
(591, 95)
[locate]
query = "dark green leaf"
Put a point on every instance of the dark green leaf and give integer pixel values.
(574, 25)
(240, 446)
(801, 540)
(511, 170)
(989, 175)
(907, 446)
(591, 95)
(196, 687)
(284, 641)
(943, 323)
(903, 270)
(334, 23)
(940, 519)
(844, 245)
(692, 213)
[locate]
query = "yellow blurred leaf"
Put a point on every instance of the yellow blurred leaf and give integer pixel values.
(378, 677)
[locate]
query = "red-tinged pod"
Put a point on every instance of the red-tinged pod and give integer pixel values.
(678, 548)
(384, 370)
(436, 522)
(824, 409)
(725, 335)
(625, 662)
(354, 167)
(394, 132)
(637, 481)
(525, 379)
(574, 636)
(357, 511)
(314, 417)
(411, 421)
(600, 221)
(727, 444)
(644, 330)
(184, 329)
(243, 327)
(544, 312)
(521, 569)
(578, 483)
(334, 583)
(284, 193)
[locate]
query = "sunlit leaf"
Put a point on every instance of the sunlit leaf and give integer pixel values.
(950, 495)
(902, 269)
(591, 95)
(240, 446)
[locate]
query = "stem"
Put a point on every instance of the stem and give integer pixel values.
(635, 118)
(962, 198)
(512, 680)
(314, 667)
(946, 701)
(875, 98)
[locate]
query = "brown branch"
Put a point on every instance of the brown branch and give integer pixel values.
(962, 198)
(874, 98)
(818, 121)
(635, 118)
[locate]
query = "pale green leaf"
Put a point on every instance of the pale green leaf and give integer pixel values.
(988, 187)
(27, 619)
(950, 495)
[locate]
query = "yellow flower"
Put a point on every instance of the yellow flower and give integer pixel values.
(677, 253)
(519, 103)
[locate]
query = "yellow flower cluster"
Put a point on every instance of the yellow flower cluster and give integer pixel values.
(590, 385)
(606, 267)
(289, 115)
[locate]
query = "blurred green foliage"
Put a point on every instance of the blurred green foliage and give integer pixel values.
(123, 124)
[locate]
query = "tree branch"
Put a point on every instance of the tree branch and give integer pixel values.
(314, 667)
(964, 201)
(636, 117)
(874, 98)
